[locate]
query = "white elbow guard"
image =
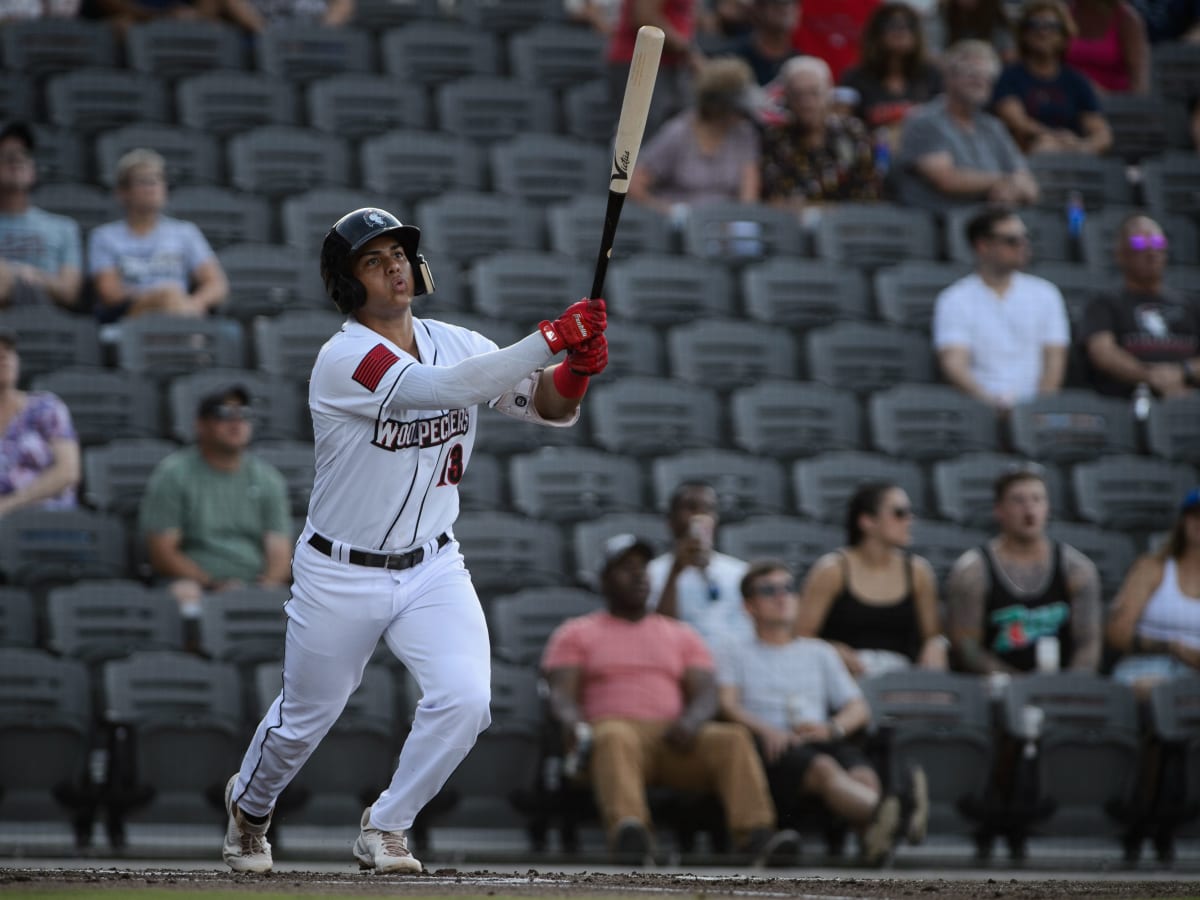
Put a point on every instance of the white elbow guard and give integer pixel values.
(518, 404)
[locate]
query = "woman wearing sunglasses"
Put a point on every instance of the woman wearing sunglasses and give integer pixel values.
(873, 600)
(1049, 107)
(1145, 332)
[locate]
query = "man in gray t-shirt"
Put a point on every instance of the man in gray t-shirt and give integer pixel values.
(801, 704)
(953, 153)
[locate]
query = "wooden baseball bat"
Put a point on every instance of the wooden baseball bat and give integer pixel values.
(647, 51)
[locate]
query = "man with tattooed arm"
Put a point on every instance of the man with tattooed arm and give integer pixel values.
(1022, 589)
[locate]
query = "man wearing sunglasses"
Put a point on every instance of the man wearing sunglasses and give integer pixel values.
(1144, 333)
(1001, 334)
(214, 516)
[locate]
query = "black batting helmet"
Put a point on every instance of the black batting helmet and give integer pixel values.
(346, 239)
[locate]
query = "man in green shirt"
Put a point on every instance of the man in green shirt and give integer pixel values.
(215, 516)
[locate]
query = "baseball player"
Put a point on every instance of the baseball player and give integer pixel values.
(393, 402)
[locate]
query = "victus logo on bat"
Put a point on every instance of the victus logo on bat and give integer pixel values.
(621, 167)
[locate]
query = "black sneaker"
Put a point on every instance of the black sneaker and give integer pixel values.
(631, 842)
(772, 849)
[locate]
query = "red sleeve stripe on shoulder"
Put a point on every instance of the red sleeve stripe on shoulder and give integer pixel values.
(373, 366)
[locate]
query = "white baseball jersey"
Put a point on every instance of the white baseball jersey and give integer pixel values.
(371, 491)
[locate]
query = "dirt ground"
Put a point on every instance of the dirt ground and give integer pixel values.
(482, 882)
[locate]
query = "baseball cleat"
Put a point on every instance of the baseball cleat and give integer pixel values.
(383, 851)
(246, 847)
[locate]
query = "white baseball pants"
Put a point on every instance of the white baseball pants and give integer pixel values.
(432, 621)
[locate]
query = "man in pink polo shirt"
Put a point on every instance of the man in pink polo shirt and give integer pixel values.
(645, 686)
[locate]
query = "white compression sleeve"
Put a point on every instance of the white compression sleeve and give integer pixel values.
(477, 379)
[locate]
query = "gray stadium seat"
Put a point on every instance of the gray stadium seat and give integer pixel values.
(1145, 126)
(798, 542)
(525, 286)
(568, 483)
(1175, 71)
(942, 543)
(1049, 238)
(225, 217)
(588, 110)
(502, 332)
(191, 157)
(740, 232)
(641, 416)
(729, 353)
(484, 487)
(1171, 184)
(664, 290)
(487, 109)
(175, 48)
(51, 339)
(307, 217)
(864, 356)
(40, 47)
(507, 552)
(521, 623)
(962, 486)
(45, 728)
(105, 404)
(225, 103)
(17, 97)
(803, 293)
(506, 16)
(353, 105)
(17, 626)
(575, 228)
(41, 546)
(465, 225)
(267, 279)
(787, 419)
(929, 421)
(286, 345)
(541, 169)
(745, 484)
(243, 624)
(275, 402)
(298, 51)
(432, 53)
(376, 14)
(1126, 491)
(1111, 551)
(279, 160)
(411, 165)
(1173, 429)
(634, 348)
(1100, 238)
(115, 474)
(907, 292)
(1100, 181)
(1077, 284)
(1072, 425)
(100, 620)
(60, 153)
(161, 346)
(588, 537)
(92, 100)
(824, 483)
(89, 206)
(873, 235)
(296, 461)
(557, 56)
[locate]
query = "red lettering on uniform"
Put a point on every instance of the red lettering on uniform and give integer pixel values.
(374, 366)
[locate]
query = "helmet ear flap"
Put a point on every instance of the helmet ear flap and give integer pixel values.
(347, 293)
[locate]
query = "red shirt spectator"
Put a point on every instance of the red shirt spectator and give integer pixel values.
(831, 29)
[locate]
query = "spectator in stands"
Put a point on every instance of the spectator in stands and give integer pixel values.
(831, 30)
(710, 152)
(804, 708)
(978, 20)
(1049, 107)
(599, 15)
(952, 152)
(1155, 619)
(1170, 20)
(39, 450)
(725, 19)
(149, 262)
(255, 15)
(680, 55)
(874, 600)
(214, 516)
(894, 73)
(40, 253)
(816, 156)
(694, 582)
(1145, 333)
(644, 686)
(768, 44)
(1001, 335)
(124, 13)
(26, 10)
(1111, 47)
(1022, 589)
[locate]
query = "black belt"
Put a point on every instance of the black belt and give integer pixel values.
(378, 560)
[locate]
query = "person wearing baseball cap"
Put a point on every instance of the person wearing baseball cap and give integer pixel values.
(1155, 619)
(39, 449)
(41, 253)
(641, 688)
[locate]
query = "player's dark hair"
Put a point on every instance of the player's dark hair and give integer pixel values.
(865, 501)
(982, 224)
(1015, 475)
(757, 569)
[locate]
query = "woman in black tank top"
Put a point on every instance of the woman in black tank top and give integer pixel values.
(874, 600)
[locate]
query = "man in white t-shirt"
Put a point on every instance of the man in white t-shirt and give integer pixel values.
(1001, 335)
(694, 582)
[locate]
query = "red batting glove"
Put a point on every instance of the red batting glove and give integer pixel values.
(590, 357)
(581, 321)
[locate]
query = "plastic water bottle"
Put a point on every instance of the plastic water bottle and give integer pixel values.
(577, 760)
(883, 157)
(1142, 398)
(1076, 214)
